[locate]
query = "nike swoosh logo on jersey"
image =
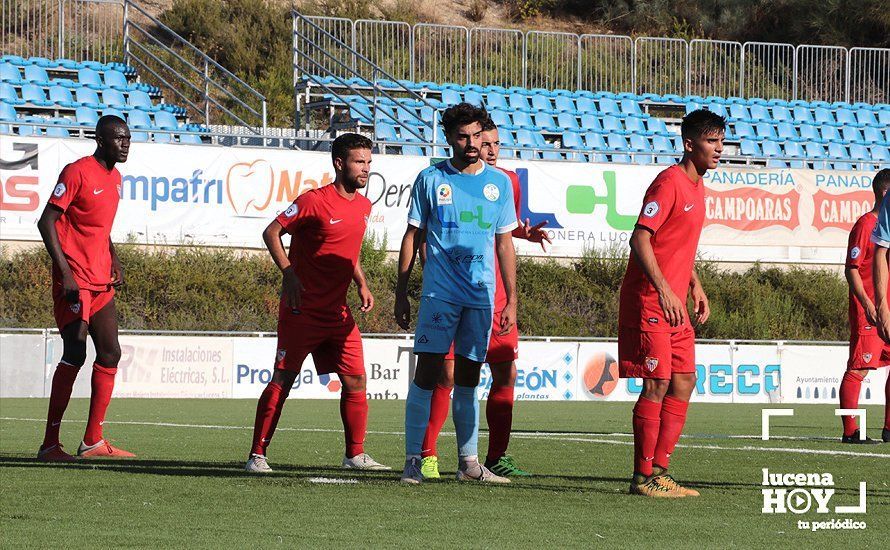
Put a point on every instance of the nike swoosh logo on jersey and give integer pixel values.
(97, 191)
(688, 207)
(333, 221)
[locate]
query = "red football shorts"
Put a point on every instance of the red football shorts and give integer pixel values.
(501, 349)
(90, 302)
(655, 355)
(334, 349)
(868, 351)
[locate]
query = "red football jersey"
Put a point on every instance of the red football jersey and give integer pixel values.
(88, 195)
(674, 211)
(860, 252)
(500, 293)
(326, 238)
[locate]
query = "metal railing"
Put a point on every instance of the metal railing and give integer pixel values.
(121, 30)
(507, 57)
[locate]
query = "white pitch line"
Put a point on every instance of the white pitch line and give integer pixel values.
(547, 436)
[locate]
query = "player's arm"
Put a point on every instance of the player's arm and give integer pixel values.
(364, 293)
(641, 248)
(291, 287)
(407, 253)
(879, 276)
(507, 261)
(857, 287)
(117, 271)
(699, 299)
(421, 236)
(47, 227)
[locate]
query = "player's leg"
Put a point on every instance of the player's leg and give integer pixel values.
(436, 325)
(74, 354)
(103, 329)
(268, 412)
(646, 355)
(674, 407)
(866, 353)
(501, 356)
(885, 433)
(440, 404)
(470, 348)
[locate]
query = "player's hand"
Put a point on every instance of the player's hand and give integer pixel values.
(883, 323)
(402, 311)
(700, 304)
(508, 319)
(534, 233)
(871, 313)
(70, 289)
(291, 287)
(367, 299)
(674, 310)
(117, 273)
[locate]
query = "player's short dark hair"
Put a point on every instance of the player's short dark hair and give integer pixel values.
(108, 121)
(702, 122)
(462, 114)
(488, 125)
(881, 181)
(349, 142)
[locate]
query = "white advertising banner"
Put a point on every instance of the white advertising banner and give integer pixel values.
(186, 194)
(812, 374)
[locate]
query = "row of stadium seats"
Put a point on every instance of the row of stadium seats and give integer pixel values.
(39, 96)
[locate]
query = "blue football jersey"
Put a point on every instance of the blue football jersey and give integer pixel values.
(461, 213)
(881, 235)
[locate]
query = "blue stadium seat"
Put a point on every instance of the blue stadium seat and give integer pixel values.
(117, 80)
(138, 99)
(451, 97)
(139, 120)
(810, 132)
(86, 116)
(55, 131)
(591, 122)
(27, 129)
(519, 102)
(781, 113)
(830, 133)
(794, 149)
(359, 111)
(846, 116)
(385, 132)
(541, 103)
(717, 108)
(474, 97)
(635, 124)
(872, 135)
(613, 124)
(866, 117)
(109, 111)
(656, 126)
(41, 62)
(572, 140)
(760, 112)
(523, 120)
(786, 130)
(618, 142)
(10, 74)
(586, 105)
(771, 148)
(36, 75)
(9, 95)
(383, 114)
(595, 141)
(884, 117)
(88, 98)
(744, 130)
(661, 144)
(823, 115)
(803, 115)
(693, 106)
(7, 112)
(113, 98)
(161, 137)
(765, 130)
(816, 152)
(838, 151)
(500, 118)
(630, 107)
(568, 121)
(544, 121)
(739, 111)
(34, 95)
(496, 100)
(89, 78)
(851, 134)
(859, 152)
(62, 96)
(609, 106)
(524, 139)
(565, 104)
(880, 153)
(638, 144)
(751, 148)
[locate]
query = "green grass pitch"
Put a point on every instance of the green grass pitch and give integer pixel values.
(187, 488)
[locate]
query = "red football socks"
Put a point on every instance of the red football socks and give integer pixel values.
(646, 421)
(60, 394)
(499, 413)
(268, 411)
(887, 404)
(102, 383)
(673, 417)
(849, 392)
(440, 404)
(354, 412)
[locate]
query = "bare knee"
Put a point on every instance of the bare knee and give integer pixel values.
(682, 386)
(354, 383)
(655, 390)
(503, 374)
(110, 357)
(284, 378)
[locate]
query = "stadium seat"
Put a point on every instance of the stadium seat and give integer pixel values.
(519, 102)
(590, 122)
(113, 98)
(586, 105)
(656, 126)
(500, 118)
(385, 132)
(541, 103)
(612, 124)
(496, 100)
(661, 144)
(358, 111)
(866, 117)
(837, 151)
(34, 95)
(630, 107)
(846, 116)
(884, 117)
(717, 108)
(110, 111)
(522, 119)
(544, 121)
(474, 97)
(803, 115)
(86, 116)
(823, 115)
(139, 120)
(140, 100)
(117, 80)
(851, 134)
(568, 121)
(609, 106)
(781, 113)
(9, 95)
(859, 152)
(88, 98)
(524, 139)
(62, 96)
(872, 135)
(55, 131)
(89, 78)
(786, 130)
(880, 153)
(744, 130)
(37, 75)
(816, 152)
(618, 144)
(765, 130)
(750, 148)
(565, 104)
(739, 111)
(10, 74)
(161, 137)
(759, 112)
(794, 149)
(639, 144)
(810, 132)
(450, 97)
(7, 112)
(27, 129)
(830, 133)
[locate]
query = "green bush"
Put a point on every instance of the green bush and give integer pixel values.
(218, 289)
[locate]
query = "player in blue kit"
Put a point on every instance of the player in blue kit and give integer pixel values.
(466, 210)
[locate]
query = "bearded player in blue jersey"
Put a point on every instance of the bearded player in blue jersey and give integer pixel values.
(465, 208)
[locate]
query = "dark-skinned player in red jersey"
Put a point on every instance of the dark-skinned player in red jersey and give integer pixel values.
(502, 354)
(76, 229)
(327, 226)
(656, 340)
